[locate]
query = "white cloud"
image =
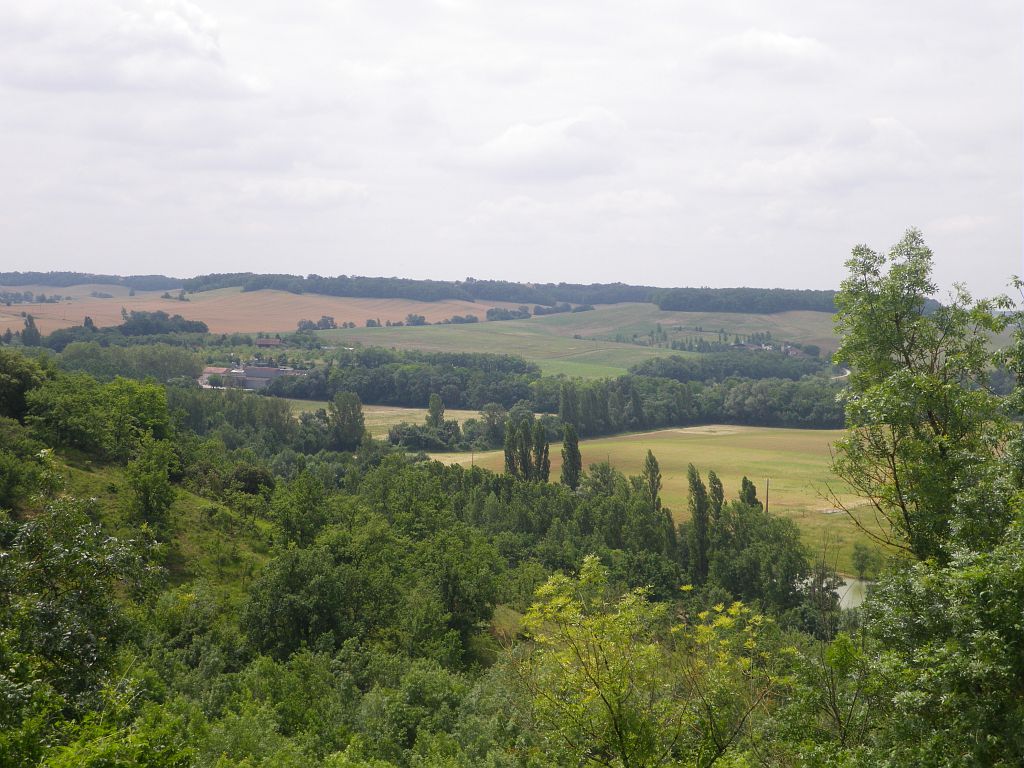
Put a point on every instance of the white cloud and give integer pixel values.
(632, 202)
(583, 145)
(961, 224)
(758, 49)
(856, 153)
(106, 45)
(302, 192)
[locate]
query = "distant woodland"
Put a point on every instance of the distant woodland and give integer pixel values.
(756, 300)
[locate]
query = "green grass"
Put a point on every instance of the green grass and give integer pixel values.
(608, 322)
(549, 340)
(795, 462)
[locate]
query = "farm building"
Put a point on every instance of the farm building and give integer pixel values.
(208, 371)
(269, 342)
(247, 377)
(258, 377)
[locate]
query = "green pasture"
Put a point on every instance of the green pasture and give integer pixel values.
(609, 321)
(532, 339)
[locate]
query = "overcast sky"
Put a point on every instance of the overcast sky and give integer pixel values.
(665, 142)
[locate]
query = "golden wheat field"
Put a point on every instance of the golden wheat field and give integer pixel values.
(227, 310)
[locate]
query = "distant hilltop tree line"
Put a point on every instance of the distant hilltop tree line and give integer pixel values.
(543, 295)
(65, 279)
(549, 297)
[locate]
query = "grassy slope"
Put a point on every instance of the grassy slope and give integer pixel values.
(207, 539)
(796, 462)
(532, 339)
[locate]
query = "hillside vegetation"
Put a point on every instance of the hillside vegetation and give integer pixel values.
(196, 577)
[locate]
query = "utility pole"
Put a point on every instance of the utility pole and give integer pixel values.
(766, 481)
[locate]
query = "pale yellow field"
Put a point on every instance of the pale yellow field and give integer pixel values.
(228, 310)
(380, 418)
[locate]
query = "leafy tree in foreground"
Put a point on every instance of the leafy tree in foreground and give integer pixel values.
(925, 432)
(614, 684)
(946, 656)
(61, 578)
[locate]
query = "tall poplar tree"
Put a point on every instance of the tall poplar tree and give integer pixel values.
(511, 458)
(716, 496)
(572, 460)
(435, 411)
(699, 534)
(541, 458)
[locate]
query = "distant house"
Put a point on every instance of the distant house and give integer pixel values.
(247, 377)
(258, 377)
(269, 342)
(204, 377)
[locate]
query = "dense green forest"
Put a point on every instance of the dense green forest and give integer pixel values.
(759, 300)
(194, 577)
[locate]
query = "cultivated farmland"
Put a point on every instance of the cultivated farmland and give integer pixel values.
(551, 341)
(228, 310)
(593, 344)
